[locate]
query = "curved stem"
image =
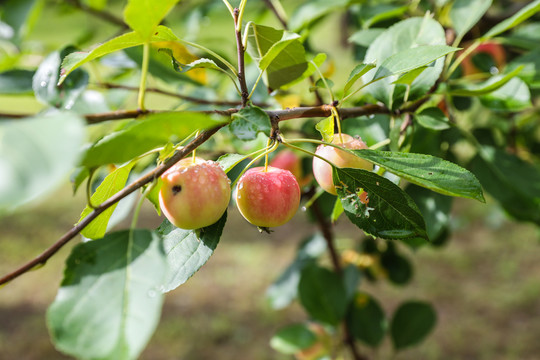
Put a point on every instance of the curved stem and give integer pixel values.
(213, 53)
(267, 151)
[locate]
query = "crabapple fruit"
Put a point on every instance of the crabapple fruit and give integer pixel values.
(342, 159)
(267, 198)
(194, 194)
(288, 160)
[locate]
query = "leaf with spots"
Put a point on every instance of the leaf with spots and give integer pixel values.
(387, 212)
(427, 171)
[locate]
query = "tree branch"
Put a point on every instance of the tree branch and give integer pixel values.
(99, 14)
(327, 230)
(151, 176)
(241, 66)
(179, 96)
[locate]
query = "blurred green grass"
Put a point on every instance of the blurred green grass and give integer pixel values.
(485, 285)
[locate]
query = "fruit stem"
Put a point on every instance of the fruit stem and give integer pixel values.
(266, 152)
(266, 155)
(314, 198)
(335, 113)
(194, 150)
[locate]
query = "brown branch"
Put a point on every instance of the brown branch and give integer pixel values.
(241, 66)
(99, 14)
(151, 176)
(327, 230)
(275, 115)
(179, 96)
(272, 8)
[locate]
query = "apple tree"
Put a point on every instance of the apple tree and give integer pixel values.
(204, 107)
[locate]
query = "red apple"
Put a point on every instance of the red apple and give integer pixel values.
(494, 49)
(194, 194)
(288, 160)
(342, 159)
(268, 198)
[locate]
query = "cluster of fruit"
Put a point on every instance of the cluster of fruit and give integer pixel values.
(196, 192)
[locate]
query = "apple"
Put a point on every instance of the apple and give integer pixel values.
(267, 198)
(195, 193)
(493, 49)
(342, 159)
(289, 160)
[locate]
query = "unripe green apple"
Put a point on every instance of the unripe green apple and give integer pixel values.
(267, 198)
(194, 194)
(342, 159)
(289, 160)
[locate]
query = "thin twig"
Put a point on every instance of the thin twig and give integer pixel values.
(98, 13)
(151, 176)
(328, 234)
(241, 66)
(176, 95)
(272, 8)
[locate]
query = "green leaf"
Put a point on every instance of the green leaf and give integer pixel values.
(490, 85)
(281, 54)
(326, 128)
(389, 214)
(113, 183)
(514, 183)
(432, 118)
(292, 339)
(323, 295)
(144, 16)
(372, 14)
(44, 82)
(514, 20)
(531, 67)
(398, 267)
(311, 11)
(435, 209)
(21, 16)
(466, 13)
(145, 134)
(412, 58)
(36, 154)
(153, 195)
(365, 37)
(367, 321)
(76, 59)
(409, 77)
(285, 289)
(428, 171)
(337, 210)
(312, 66)
(356, 74)
(229, 161)
(412, 322)
(188, 250)
(16, 82)
(407, 34)
(109, 301)
(250, 121)
(513, 96)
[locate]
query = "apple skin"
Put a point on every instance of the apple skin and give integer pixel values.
(494, 49)
(267, 198)
(288, 160)
(194, 194)
(342, 159)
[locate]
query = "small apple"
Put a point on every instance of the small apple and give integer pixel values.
(289, 160)
(342, 159)
(194, 194)
(267, 198)
(491, 48)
